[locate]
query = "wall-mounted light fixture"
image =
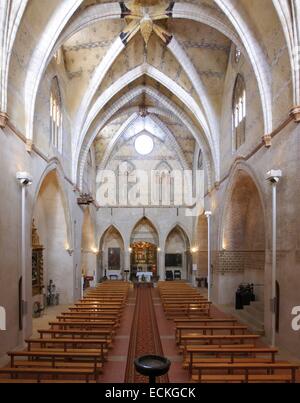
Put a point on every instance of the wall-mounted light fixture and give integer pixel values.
(69, 250)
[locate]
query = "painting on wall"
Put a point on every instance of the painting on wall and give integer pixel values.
(114, 258)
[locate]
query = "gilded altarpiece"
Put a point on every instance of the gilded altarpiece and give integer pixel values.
(37, 263)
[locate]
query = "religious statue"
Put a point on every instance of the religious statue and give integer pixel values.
(52, 295)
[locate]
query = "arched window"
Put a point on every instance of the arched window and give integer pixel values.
(239, 112)
(200, 160)
(164, 184)
(58, 56)
(56, 115)
(89, 158)
(126, 170)
(237, 55)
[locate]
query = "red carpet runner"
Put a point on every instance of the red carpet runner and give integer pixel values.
(144, 337)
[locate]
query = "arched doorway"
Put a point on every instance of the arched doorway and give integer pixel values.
(111, 257)
(50, 223)
(242, 259)
(144, 247)
(178, 259)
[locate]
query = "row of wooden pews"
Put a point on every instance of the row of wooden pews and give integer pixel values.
(75, 346)
(219, 350)
(181, 300)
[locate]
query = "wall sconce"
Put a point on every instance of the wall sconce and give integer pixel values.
(95, 251)
(129, 250)
(24, 178)
(69, 250)
(224, 243)
(158, 250)
(194, 250)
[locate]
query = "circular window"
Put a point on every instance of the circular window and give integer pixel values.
(144, 144)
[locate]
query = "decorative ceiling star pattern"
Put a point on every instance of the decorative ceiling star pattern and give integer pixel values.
(144, 16)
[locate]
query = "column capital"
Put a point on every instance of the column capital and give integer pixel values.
(29, 144)
(274, 176)
(267, 139)
(295, 113)
(3, 119)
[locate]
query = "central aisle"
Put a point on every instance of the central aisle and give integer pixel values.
(144, 337)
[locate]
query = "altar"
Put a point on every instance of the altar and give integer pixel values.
(147, 275)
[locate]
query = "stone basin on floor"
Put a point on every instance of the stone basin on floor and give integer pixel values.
(152, 365)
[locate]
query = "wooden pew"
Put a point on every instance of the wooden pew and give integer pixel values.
(180, 329)
(188, 310)
(38, 373)
(199, 339)
(186, 297)
(57, 359)
(231, 354)
(215, 349)
(66, 343)
(204, 321)
(31, 381)
(82, 324)
(96, 306)
(88, 310)
(88, 313)
(90, 322)
(248, 375)
(107, 334)
(87, 318)
(102, 302)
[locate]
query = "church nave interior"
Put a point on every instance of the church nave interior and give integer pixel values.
(149, 152)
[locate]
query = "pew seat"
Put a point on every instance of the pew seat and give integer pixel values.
(266, 371)
(38, 373)
(280, 378)
(57, 364)
(47, 381)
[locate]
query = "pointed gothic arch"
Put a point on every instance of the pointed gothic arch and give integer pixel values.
(52, 224)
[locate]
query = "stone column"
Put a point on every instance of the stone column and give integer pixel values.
(195, 261)
(161, 265)
(127, 255)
